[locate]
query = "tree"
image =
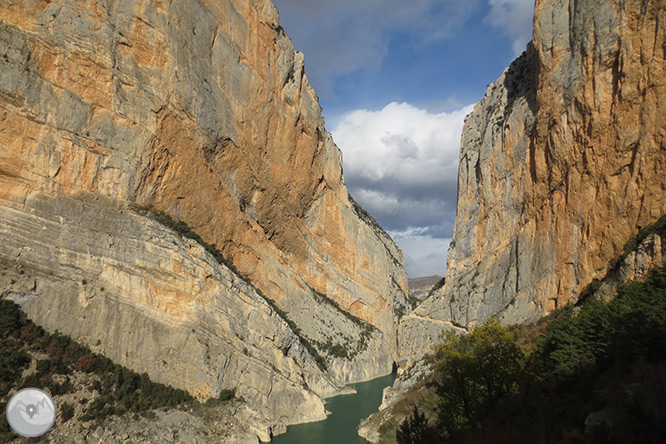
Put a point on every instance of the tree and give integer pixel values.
(416, 430)
(473, 373)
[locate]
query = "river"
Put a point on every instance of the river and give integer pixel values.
(347, 412)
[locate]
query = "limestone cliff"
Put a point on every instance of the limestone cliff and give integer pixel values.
(200, 109)
(561, 162)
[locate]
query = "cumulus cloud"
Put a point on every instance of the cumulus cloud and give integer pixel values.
(342, 36)
(401, 164)
(514, 17)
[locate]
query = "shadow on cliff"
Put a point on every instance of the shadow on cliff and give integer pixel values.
(521, 79)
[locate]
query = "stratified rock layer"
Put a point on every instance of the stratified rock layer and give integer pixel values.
(200, 109)
(561, 162)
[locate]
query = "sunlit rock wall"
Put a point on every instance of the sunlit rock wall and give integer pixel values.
(561, 162)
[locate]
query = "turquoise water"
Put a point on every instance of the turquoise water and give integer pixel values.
(347, 412)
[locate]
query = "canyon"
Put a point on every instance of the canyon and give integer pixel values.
(170, 196)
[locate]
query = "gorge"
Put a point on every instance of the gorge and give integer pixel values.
(170, 196)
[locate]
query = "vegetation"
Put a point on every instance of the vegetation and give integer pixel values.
(227, 395)
(319, 359)
(440, 283)
(416, 429)
(120, 389)
(633, 243)
(365, 216)
(372, 223)
(322, 298)
(184, 230)
(348, 350)
(594, 373)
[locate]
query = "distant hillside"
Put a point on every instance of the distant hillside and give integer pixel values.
(421, 286)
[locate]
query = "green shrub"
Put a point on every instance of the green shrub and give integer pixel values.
(66, 411)
(416, 430)
(11, 318)
(226, 395)
(12, 362)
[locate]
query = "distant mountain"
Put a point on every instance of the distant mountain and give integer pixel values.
(420, 287)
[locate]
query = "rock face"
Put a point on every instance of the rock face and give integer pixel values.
(200, 109)
(561, 162)
(135, 291)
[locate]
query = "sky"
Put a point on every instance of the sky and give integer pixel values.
(395, 80)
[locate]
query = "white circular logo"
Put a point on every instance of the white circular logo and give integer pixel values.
(31, 412)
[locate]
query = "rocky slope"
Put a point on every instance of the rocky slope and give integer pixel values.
(641, 255)
(561, 162)
(148, 299)
(200, 109)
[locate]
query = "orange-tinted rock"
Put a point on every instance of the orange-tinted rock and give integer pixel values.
(561, 162)
(203, 110)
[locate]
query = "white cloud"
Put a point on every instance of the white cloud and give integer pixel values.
(424, 254)
(401, 142)
(339, 37)
(401, 164)
(514, 17)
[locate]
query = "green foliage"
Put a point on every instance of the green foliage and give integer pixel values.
(540, 387)
(473, 373)
(416, 430)
(348, 350)
(322, 298)
(574, 343)
(319, 360)
(635, 241)
(11, 318)
(365, 216)
(184, 230)
(226, 395)
(590, 289)
(12, 363)
(333, 349)
(52, 366)
(120, 388)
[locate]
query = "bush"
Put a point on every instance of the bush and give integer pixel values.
(226, 395)
(473, 373)
(12, 362)
(11, 318)
(66, 412)
(86, 363)
(416, 430)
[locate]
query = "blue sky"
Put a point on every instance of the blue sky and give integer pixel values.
(395, 80)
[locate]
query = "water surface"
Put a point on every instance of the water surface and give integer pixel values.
(347, 412)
